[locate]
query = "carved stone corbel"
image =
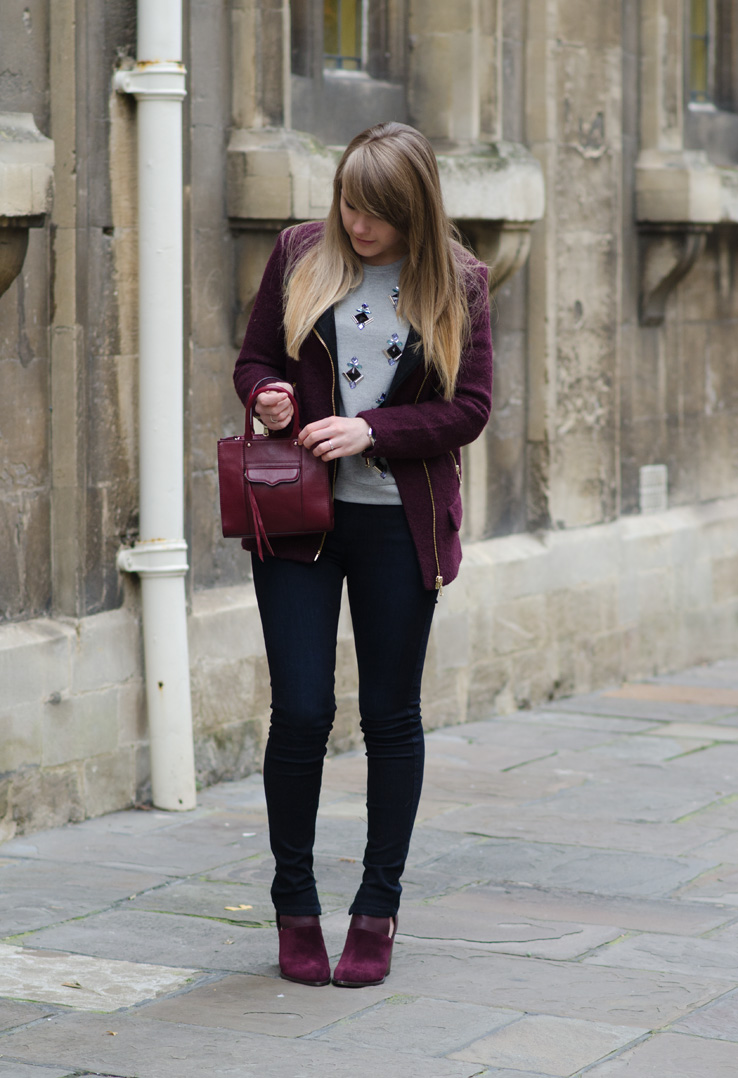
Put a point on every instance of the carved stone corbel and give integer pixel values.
(503, 245)
(667, 254)
(26, 180)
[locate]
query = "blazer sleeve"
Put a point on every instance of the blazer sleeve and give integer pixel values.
(263, 353)
(435, 426)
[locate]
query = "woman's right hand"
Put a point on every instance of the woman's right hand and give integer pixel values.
(273, 407)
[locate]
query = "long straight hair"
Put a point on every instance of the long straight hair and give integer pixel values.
(390, 172)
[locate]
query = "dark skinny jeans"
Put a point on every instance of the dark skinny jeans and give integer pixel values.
(391, 612)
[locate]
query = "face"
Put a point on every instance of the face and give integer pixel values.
(375, 242)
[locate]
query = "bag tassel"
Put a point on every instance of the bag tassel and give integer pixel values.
(261, 534)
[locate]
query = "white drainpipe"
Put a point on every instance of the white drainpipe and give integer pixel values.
(160, 556)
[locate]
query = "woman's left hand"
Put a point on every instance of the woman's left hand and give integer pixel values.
(336, 436)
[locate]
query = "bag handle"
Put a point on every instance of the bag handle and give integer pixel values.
(250, 403)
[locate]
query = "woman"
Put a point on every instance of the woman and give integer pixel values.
(379, 321)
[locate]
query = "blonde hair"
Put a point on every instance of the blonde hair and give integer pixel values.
(390, 172)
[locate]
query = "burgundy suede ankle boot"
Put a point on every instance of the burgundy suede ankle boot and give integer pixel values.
(367, 953)
(302, 954)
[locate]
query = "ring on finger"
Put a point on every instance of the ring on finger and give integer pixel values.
(330, 443)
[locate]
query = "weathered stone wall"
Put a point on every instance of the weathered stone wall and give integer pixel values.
(585, 395)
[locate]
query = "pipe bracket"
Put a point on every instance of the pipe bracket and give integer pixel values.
(159, 79)
(154, 557)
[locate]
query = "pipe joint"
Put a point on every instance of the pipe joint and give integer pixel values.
(154, 557)
(162, 80)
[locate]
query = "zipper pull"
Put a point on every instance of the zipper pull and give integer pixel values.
(458, 473)
(439, 585)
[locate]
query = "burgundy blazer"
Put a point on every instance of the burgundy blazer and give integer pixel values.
(417, 432)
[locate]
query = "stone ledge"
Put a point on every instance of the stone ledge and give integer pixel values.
(279, 175)
(26, 169)
(685, 188)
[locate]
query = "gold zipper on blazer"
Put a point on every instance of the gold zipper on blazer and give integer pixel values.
(457, 466)
(333, 403)
(439, 578)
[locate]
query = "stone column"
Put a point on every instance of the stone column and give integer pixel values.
(68, 384)
(573, 119)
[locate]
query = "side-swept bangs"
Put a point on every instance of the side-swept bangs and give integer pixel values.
(372, 182)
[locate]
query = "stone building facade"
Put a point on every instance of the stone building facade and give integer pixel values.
(589, 153)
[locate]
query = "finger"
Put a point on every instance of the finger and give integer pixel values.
(325, 449)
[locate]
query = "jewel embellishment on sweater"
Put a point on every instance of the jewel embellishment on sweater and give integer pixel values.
(363, 316)
(393, 351)
(395, 295)
(353, 375)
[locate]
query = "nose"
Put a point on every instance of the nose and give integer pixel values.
(361, 225)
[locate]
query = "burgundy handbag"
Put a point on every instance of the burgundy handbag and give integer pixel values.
(272, 486)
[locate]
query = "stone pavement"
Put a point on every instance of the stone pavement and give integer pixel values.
(570, 907)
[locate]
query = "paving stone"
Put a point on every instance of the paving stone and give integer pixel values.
(582, 720)
(720, 850)
(179, 848)
(571, 990)
(702, 732)
(558, 1046)
(264, 1005)
(532, 822)
(34, 894)
(672, 1055)
(661, 711)
(576, 868)
(719, 886)
(141, 1050)
(166, 939)
(645, 915)
(718, 1020)
(75, 980)
(201, 898)
(658, 746)
(722, 813)
(425, 1026)
(245, 794)
(19, 1014)
(504, 743)
(551, 939)
(674, 692)
(23, 1070)
(717, 957)
(529, 783)
(652, 796)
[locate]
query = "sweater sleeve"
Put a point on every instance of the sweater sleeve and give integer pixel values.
(434, 426)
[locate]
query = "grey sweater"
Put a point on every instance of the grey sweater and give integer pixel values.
(361, 347)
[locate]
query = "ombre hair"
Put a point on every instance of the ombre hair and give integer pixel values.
(390, 172)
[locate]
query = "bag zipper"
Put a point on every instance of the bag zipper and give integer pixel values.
(333, 403)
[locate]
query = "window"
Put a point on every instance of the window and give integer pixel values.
(348, 65)
(712, 52)
(711, 78)
(701, 52)
(345, 34)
